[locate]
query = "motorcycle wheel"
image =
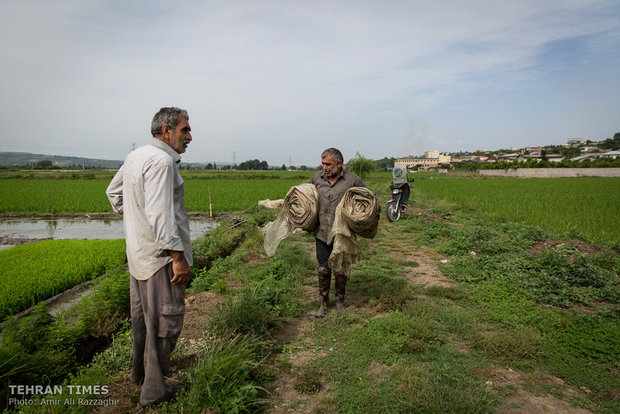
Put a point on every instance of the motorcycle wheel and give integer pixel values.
(392, 211)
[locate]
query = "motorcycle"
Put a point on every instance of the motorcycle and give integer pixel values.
(400, 189)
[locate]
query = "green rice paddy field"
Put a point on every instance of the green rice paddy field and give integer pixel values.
(45, 196)
(588, 207)
(440, 346)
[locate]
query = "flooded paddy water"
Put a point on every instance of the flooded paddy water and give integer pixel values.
(26, 230)
(19, 231)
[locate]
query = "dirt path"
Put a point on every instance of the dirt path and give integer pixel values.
(299, 349)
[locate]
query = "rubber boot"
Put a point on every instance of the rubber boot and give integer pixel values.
(325, 278)
(322, 308)
(341, 284)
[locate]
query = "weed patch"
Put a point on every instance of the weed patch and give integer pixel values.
(39, 348)
(308, 380)
(424, 374)
(225, 379)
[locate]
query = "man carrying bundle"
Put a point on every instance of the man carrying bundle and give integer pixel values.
(331, 183)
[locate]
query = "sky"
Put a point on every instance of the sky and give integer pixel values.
(281, 81)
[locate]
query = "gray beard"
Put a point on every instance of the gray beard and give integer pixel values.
(333, 174)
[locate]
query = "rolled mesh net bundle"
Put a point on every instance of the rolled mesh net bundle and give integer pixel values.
(299, 211)
(355, 215)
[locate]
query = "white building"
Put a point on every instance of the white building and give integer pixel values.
(431, 159)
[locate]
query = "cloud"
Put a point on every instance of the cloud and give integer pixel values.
(279, 79)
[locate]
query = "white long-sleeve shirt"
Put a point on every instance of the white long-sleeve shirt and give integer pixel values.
(149, 191)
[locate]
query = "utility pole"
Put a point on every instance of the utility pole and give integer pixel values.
(234, 159)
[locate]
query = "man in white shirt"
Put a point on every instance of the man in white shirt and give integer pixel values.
(149, 191)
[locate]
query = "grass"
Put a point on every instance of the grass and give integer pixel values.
(270, 293)
(106, 365)
(226, 378)
(41, 349)
(234, 195)
(407, 348)
(430, 349)
(37, 271)
(588, 206)
(555, 310)
(398, 363)
(228, 193)
(44, 196)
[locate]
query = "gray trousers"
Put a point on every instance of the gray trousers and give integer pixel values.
(157, 311)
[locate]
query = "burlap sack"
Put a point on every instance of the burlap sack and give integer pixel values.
(271, 204)
(355, 215)
(300, 211)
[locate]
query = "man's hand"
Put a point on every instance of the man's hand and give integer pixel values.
(180, 268)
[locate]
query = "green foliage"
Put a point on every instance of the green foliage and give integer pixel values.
(407, 353)
(559, 276)
(222, 241)
(235, 195)
(39, 348)
(104, 366)
(116, 357)
(454, 293)
(520, 342)
(224, 379)
(271, 292)
(384, 163)
(254, 164)
(242, 316)
(580, 347)
(361, 166)
(396, 363)
(208, 278)
(543, 163)
(37, 271)
(506, 275)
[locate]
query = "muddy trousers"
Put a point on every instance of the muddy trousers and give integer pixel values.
(157, 311)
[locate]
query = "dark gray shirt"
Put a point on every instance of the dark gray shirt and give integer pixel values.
(329, 198)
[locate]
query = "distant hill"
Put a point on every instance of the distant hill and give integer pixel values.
(10, 159)
(25, 158)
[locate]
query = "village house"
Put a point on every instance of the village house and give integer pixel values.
(588, 149)
(508, 157)
(583, 157)
(610, 154)
(431, 159)
(554, 157)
